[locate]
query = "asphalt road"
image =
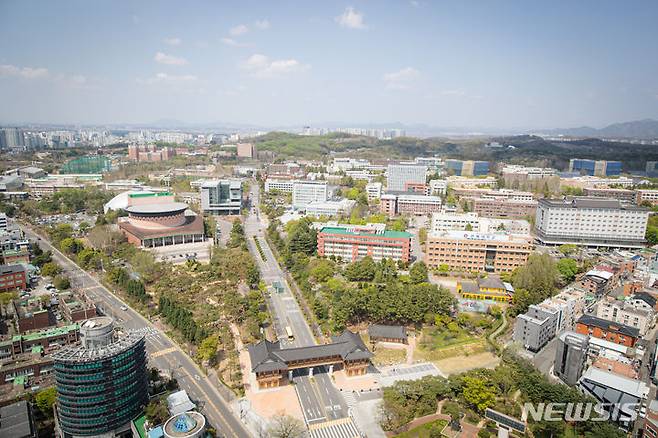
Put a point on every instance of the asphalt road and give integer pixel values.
(163, 352)
(319, 398)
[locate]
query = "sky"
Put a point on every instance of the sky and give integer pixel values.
(496, 64)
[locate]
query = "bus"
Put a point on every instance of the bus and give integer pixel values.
(289, 333)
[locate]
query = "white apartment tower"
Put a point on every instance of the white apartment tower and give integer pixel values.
(400, 174)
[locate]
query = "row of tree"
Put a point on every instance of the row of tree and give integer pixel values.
(181, 319)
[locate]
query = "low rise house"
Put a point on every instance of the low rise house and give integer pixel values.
(608, 330)
(387, 333)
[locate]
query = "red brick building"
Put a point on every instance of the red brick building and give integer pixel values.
(610, 331)
(12, 277)
(354, 242)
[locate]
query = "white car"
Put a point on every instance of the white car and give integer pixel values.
(124, 308)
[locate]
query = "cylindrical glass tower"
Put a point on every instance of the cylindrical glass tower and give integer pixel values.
(101, 389)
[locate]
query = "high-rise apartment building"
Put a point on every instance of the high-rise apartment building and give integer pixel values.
(468, 168)
(305, 192)
(102, 383)
(400, 174)
(221, 197)
(591, 221)
(595, 167)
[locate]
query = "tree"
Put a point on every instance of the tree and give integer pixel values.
(418, 273)
(478, 393)
(45, 400)
(237, 237)
(62, 282)
(302, 238)
(50, 269)
(362, 270)
(322, 270)
(285, 426)
(208, 349)
(444, 269)
(156, 412)
(539, 275)
(568, 269)
(567, 248)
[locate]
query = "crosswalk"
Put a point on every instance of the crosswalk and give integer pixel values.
(350, 398)
(341, 428)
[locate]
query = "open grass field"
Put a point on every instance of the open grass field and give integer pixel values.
(389, 356)
(424, 430)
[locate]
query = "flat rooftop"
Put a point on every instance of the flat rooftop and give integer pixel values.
(166, 207)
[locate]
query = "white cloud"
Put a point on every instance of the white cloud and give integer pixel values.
(262, 24)
(456, 93)
(233, 43)
(262, 66)
(402, 79)
(167, 78)
(23, 72)
(162, 58)
(174, 41)
(414, 3)
(238, 30)
(351, 19)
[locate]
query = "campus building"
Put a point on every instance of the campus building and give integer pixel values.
(520, 175)
(329, 208)
(221, 197)
(477, 252)
(595, 167)
(536, 327)
(392, 204)
(273, 364)
(279, 185)
(102, 383)
(305, 192)
(624, 195)
(645, 195)
(590, 221)
(398, 175)
(490, 288)
(161, 224)
(503, 208)
(354, 242)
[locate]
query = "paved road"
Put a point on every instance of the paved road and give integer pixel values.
(320, 400)
(163, 352)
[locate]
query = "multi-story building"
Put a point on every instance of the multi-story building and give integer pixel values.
(610, 331)
(467, 168)
(471, 251)
(596, 181)
(102, 383)
(595, 167)
(498, 195)
(590, 221)
(400, 174)
(149, 152)
(220, 197)
(280, 185)
(503, 208)
(305, 192)
(514, 174)
(624, 195)
(438, 187)
(465, 181)
(12, 277)
(354, 242)
(246, 150)
(454, 221)
(374, 190)
(391, 204)
(626, 314)
(3, 222)
(645, 195)
(536, 327)
(652, 169)
(651, 420)
(346, 163)
(329, 208)
(570, 357)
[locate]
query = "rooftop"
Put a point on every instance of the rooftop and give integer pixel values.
(347, 231)
(80, 354)
(610, 326)
(387, 331)
(581, 202)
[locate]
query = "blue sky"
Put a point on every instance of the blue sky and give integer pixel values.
(502, 64)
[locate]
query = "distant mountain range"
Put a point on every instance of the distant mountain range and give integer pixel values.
(640, 129)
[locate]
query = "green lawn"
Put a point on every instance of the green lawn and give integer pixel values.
(441, 343)
(389, 356)
(424, 430)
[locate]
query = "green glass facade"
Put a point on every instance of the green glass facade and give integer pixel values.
(101, 390)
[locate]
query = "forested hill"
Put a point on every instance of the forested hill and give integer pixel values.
(528, 149)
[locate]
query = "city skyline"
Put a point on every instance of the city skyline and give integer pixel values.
(412, 62)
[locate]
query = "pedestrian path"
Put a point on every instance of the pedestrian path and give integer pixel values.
(341, 428)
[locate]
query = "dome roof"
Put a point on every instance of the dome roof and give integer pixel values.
(120, 201)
